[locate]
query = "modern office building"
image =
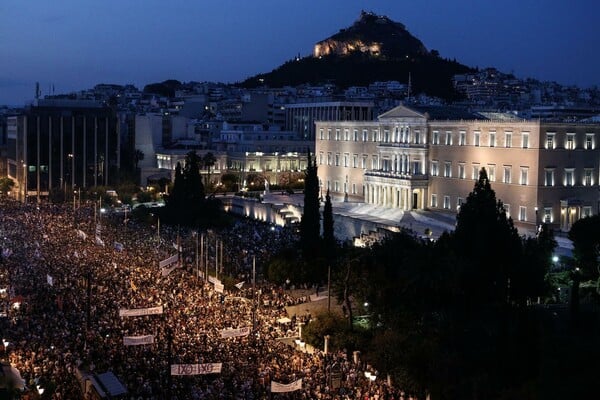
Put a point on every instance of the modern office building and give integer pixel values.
(429, 158)
(60, 144)
(301, 117)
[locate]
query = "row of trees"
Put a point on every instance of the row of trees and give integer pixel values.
(450, 318)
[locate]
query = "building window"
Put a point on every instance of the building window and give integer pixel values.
(434, 168)
(336, 186)
(328, 158)
(570, 143)
(462, 138)
(321, 134)
(461, 171)
(356, 135)
(522, 213)
(587, 211)
(386, 136)
(365, 135)
(446, 202)
(345, 160)
(364, 162)
(448, 169)
(345, 134)
(506, 178)
(549, 177)
(550, 141)
(524, 176)
(507, 139)
(374, 163)
(476, 170)
(320, 158)
(587, 177)
(354, 188)
(507, 210)
(492, 139)
(569, 176)
(476, 137)
(337, 160)
(345, 187)
(337, 134)
(355, 161)
(328, 134)
(448, 141)
(434, 203)
(459, 203)
(417, 137)
(525, 140)
(374, 137)
(492, 172)
(548, 218)
(435, 137)
(589, 141)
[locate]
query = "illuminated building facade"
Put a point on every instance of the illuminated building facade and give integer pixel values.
(429, 158)
(55, 144)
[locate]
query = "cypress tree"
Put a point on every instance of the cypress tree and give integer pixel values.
(328, 236)
(310, 224)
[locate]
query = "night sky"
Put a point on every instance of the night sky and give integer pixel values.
(76, 44)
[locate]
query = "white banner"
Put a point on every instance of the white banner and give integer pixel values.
(168, 261)
(219, 287)
(282, 388)
(166, 271)
(138, 340)
(227, 333)
(49, 280)
(239, 285)
(212, 280)
(137, 312)
(196, 369)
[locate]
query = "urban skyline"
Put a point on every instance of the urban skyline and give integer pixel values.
(68, 47)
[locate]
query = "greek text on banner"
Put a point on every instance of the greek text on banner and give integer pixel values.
(196, 369)
(137, 312)
(277, 387)
(138, 340)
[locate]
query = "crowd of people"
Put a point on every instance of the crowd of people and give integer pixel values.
(67, 273)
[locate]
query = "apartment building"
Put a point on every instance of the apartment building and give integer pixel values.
(429, 158)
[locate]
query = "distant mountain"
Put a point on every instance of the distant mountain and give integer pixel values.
(374, 48)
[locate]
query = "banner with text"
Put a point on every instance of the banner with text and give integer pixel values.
(219, 287)
(137, 312)
(227, 333)
(138, 340)
(167, 270)
(196, 369)
(277, 387)
(168, 261)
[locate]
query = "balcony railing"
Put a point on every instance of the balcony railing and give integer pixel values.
(396, 175)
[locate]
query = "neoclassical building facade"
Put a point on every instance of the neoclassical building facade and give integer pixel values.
(429, 158)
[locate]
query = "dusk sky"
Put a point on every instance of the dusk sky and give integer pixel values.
(76, 44)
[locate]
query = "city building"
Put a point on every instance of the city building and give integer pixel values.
(59, 144)
(429, 158)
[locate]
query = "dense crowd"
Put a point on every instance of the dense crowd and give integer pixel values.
(70, 288)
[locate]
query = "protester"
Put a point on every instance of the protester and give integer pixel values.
(70, 278)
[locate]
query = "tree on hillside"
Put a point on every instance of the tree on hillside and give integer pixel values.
(310, 224)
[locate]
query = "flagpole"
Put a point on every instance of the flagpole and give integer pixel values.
(216, 258)
(197, 269)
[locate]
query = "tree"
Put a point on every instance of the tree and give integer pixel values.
(310, 224)
(6, 185)
(487, 244)
(208, 161)
(138, 156)
(585, 234)
(187, 199)
(328, 235)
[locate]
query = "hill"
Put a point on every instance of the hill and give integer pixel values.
(373, 49)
